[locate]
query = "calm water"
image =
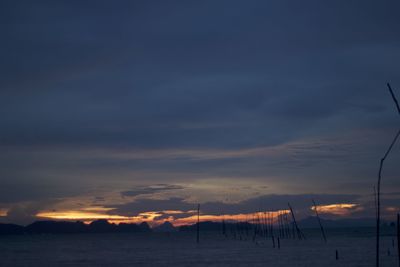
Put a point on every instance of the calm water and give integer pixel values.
(355, 247)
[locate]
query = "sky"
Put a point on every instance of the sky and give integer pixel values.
(139, 110)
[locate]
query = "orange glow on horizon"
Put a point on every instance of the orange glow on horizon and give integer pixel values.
(88, 217)
(255, 217)
(3, 212)
(152, 217)
(393, 209)
(78, 215)
(340, 209)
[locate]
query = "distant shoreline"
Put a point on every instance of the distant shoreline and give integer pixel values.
(103, 226)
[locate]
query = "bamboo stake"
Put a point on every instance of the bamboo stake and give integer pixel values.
(376, 203)
(287, 225)
(299, 233)
(280, 224)
(223, 227)
(198, 223)
(319, 221)
(272, 225)
(398, 237)
(378, 194)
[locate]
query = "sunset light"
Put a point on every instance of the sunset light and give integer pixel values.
(340, 209)
(3, 212)
(153, 217)
(199, 133)
(92, 216)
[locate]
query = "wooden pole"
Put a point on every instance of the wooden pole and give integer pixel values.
(271, 224)
(198, 223)
(378, 193)
(287, 225)
(319, 221)
(223, 228)
(280, 224)
(376, 203)
(299, 233)
(398, 237)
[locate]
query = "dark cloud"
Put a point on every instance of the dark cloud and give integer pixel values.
(21, 214)
(143, 205)
(301, 202)
(24, 213)
(21, 190)
(223, 75)
(134, 72)
(158, 188)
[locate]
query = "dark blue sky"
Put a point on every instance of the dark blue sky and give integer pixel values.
(203, 100)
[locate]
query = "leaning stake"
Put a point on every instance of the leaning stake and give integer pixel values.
(319, 221)
(299, 232)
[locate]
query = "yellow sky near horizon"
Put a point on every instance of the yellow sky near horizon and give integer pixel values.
(178, 217)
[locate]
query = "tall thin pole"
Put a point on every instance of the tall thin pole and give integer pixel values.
(398, 237)
(319, 221)
(299, 232)
(198, 223)
(378, 193)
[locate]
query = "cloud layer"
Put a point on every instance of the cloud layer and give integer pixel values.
(122, 97)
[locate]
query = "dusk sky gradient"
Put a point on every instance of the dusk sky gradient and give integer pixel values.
(126, 107)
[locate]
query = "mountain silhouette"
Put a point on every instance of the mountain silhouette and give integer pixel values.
(103, 226)
(10, 229)
(165, 227)
(63, 227)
